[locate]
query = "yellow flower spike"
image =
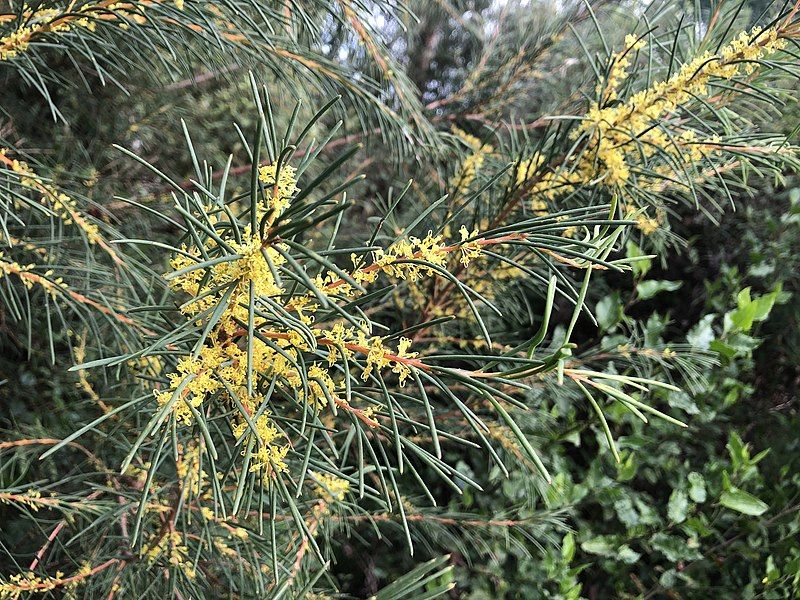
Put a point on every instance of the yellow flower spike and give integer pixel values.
(472, 164)
(647, 225)
(39, 22)
(188, 467)
(171, 546)
(620, 134)
(278, 191)
(269, 455)
(252, 266)
(618, 72)
(64, 207)
(29, 583)
(197, 374)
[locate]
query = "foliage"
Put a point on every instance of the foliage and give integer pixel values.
(235, 366)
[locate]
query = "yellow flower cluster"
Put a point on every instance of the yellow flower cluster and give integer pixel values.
(321, 387)
(280, 189)
(222, 368)
(14, 43)
(644, 223)
(379, 358)
(52, 21)
(472, 163)
(11, 241)
(269, 455)
(53, 286)
(394, 261)
(63, 206)
(193, 380)
(172, 547)
(125, 11)
(618, 132)
(623, 135)
(469, 250)
(618, 71)
(401, 261)
(331, 488)
(27, 583)
(37, 22)
(480, 280)
(252, 261)
(349, 340)
(226, 276)
(30, 498)
(188, 467)
(219, 368)
(248, 265)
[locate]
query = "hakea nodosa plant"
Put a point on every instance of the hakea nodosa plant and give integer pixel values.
(277, 341)
(289, 377)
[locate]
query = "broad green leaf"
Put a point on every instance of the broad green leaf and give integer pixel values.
(628, 555)
(651, 287)
(626, 469)
(677, 506)
(600, 545)
(738, 450)
(608, 311)
(702, 334)
(750, 310)
(626, 513)
(697, 487)
(568, 547)
(673, 547)
(642, 266)
(743, 502)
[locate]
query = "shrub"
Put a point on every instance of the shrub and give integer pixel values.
(237, 367)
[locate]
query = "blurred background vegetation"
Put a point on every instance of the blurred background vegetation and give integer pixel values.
(712, 510)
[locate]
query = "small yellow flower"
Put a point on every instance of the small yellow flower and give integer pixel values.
(469, 250)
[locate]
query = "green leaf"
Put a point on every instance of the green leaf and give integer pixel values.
(642, 266)
(600, 545)
(608, 311)
(702, 334)
(626, 513)
(626, 469)
(677, 506)
(648, 289)
(697, 487)
(722, 348)
(627, 555)
(673, 547)
(750, 310)
(737, 450)
(568, 547)
(773, 573)
(743, 502)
